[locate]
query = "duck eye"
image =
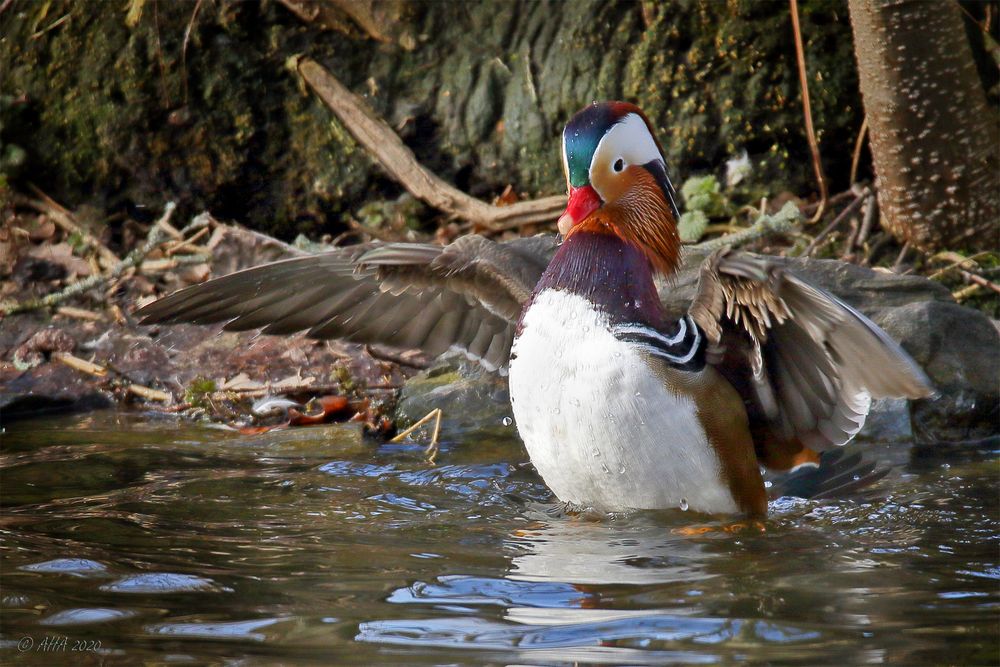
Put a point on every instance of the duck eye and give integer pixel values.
(618, 165)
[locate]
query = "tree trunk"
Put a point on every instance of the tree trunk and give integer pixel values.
(934, 139)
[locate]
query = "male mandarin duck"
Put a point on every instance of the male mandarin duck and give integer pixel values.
(620, 403)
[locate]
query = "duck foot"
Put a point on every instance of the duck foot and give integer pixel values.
(732, 528)
(432, 449)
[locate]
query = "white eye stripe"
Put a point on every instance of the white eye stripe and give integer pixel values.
(628, 139)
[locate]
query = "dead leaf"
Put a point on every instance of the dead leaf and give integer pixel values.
(319, 409)
(61, 254)
(196, 273)
(241, 382)
(44, 230)
(507, 197)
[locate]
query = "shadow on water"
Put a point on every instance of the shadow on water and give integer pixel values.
(136, 538)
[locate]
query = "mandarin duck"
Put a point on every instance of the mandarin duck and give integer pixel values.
(621, 402)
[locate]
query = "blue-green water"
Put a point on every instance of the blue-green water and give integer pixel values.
(128, 539)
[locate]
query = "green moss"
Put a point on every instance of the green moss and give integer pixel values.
(347, 382)
(117, 113)
(198, 391)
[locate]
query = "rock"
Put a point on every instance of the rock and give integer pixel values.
(473, 401)
(960, 350)
(958, 347)
(32, 384)
(50, 387)
(888, 421)
(41, 344)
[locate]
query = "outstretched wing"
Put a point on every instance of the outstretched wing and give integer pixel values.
(806, 363)
(465, 296)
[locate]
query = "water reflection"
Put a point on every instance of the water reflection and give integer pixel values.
(171, 542)
(636, 551)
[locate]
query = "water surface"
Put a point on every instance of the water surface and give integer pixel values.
(137, 538)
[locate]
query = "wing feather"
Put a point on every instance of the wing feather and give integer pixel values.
(817, 361)
(465, 296)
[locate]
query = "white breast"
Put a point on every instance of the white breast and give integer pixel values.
(601, 429)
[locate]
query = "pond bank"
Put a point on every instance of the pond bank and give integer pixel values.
(202, 370)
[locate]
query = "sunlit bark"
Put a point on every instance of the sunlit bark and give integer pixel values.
(934, 139)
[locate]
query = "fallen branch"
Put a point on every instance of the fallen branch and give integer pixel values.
(166, 264)
(765, 225)
(79, 313)
(392, 154)
(979, 280)
(150, 394)
(79, 364)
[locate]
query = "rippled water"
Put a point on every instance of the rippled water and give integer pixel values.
(141, 539)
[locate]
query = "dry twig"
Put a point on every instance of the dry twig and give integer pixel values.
(800, 56)
(150, 394)
(871, 209)
(79, 313)
(856, 157)
(836, 221)
(901, 257)
(79, 364)
(980, 281)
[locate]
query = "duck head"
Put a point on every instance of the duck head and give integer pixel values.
(617, 182)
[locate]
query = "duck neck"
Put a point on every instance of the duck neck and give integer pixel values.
(609, 272)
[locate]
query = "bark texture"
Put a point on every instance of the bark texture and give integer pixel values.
(934, 138)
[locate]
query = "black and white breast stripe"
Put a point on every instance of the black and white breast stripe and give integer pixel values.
(684, 348)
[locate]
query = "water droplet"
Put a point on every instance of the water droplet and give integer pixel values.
(574, 401)
(596, 452)
(638, 393)
(857, 477)
(605, 470)
(684, 504)
(555, 411)
(621, 469)
(506, 421)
